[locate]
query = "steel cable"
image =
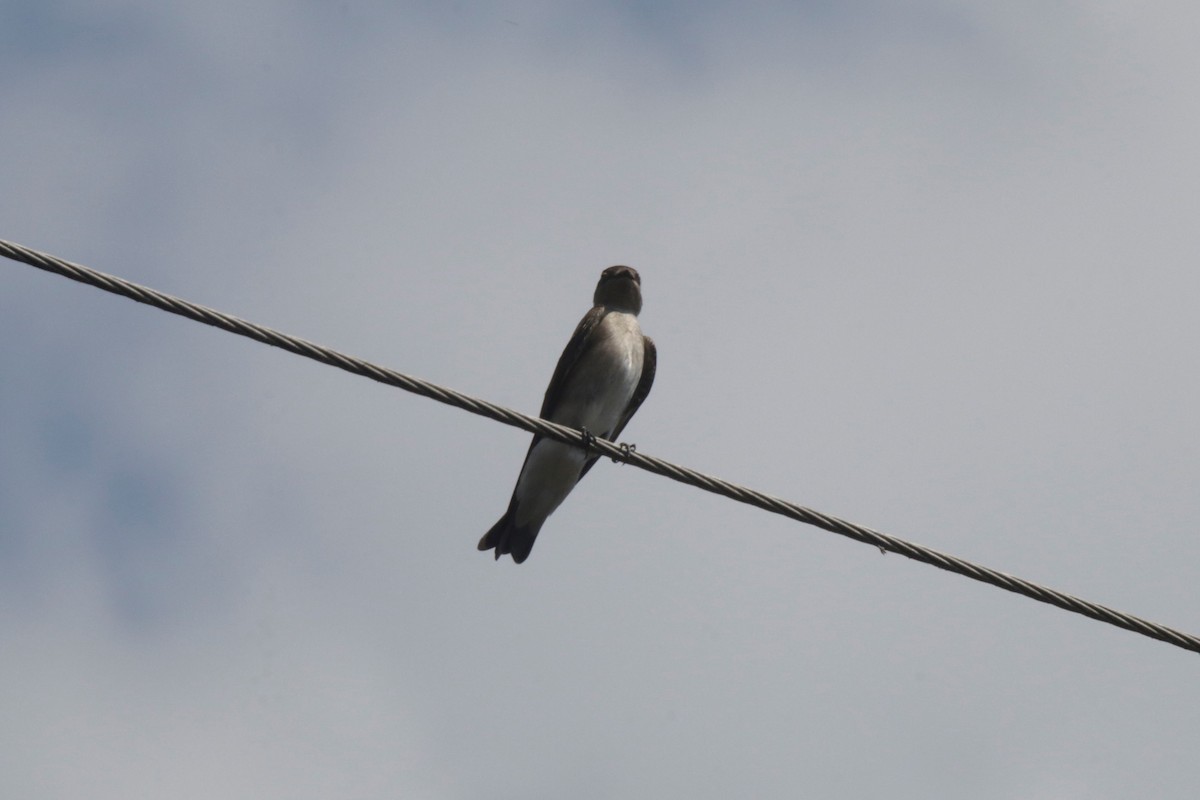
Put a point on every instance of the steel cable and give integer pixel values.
(618, 452)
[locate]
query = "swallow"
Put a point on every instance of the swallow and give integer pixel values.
(602, 378)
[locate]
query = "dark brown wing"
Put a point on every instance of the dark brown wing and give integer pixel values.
(506, 536)
(570, 357)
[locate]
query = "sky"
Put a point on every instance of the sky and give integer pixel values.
(927, 266)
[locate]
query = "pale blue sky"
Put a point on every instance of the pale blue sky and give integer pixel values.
(927, 266)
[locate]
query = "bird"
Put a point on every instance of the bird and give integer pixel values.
(602, 378)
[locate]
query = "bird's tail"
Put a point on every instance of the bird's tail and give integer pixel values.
(509, 538)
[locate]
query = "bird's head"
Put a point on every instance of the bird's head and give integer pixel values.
(620, 288)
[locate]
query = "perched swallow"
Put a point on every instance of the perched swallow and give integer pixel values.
(601, 379)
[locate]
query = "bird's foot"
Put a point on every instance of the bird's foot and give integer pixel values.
(627, 450)
(587, 439)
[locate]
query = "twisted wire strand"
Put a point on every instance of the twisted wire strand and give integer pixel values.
(618, 452)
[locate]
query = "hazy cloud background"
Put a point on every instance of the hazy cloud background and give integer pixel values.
(927, 266)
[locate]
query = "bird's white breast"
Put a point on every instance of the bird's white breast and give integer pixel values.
(607, 377)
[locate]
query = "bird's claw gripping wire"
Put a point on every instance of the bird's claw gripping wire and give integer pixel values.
(627, 450)
(587, 439)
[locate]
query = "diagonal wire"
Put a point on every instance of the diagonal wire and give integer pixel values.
(618, 452)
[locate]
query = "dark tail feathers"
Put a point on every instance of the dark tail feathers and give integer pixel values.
(509, 539)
